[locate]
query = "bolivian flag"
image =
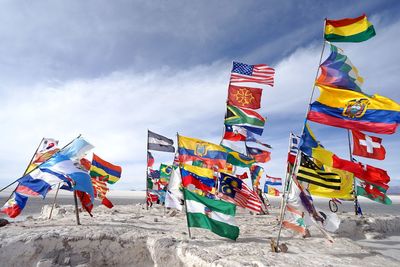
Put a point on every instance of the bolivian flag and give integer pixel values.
(349, 30)
(101, 167)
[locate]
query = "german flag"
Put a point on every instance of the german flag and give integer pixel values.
(102, 168)
(309, 172)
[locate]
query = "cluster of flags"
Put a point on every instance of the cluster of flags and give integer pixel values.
(317, 171)
(66, 169)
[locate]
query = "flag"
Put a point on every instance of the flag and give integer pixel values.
(375, 193)
(173, 195)
(294, 216)
(294, 142)
(100, 190)
(242, 176)
(246, 118)
(200, 180)
(244, 97)
(273, 180)
(235, 190)
(337, 71)
(165, 173)
(235, 133)
(64, 165)
(309, 172)
(258, 154)
(48, 148)
(39, 182)
(354, 110)
(216, 215)
(77, 149)
(271, 190)
(260, 73)
(256, 173)
(308, 141)
(250, 137)
(367, 146)
(346, 186)
(101, 167)
(191, 149)
(14, 206)
(159, 143)
(349, 30)
(150, 160)
(238, 159)
(154, 174)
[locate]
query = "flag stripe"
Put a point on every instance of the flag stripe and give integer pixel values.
(197, 207)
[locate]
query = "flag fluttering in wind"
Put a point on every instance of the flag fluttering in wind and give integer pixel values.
(238, 159)
(158, 142)
(197, 179)
(191, 149)
(256, 173)
(102, 168)
(337, 71)
(272, 191)
(14, 206)
(64, 165)
(260, 73)
(353, 110)
(236, 191)
(244, 97)
(235, 133)
(373, 192)
(216, 215)
(273, 180)
(309, 172)
(367, 146)
(349, 30)
(173, 195)
(77, 149)
(246, 118)
(150, 160)
(258, 154)
(165, 173)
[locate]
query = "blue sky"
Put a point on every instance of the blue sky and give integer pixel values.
(110, 70)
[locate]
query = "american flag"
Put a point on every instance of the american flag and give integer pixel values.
(234, 190)
(260, 73)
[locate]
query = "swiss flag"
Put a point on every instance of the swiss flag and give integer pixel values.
(367, 146)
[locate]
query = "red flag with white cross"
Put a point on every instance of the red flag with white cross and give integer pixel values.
(367, 146)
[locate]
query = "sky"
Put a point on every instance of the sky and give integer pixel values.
(110, 70)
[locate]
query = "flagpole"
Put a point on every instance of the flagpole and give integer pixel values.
(54, 202)
(187, 219)
(304, 125)
(147, 172)
(76, 209)
(354, 180)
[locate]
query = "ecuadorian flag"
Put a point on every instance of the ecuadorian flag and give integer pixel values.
(191, 149)
(101, 167)
(349, 30)
(354, 110)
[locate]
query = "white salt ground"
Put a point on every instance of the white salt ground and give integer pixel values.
(129, 235)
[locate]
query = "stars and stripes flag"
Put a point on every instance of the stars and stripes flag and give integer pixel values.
(236, 191)
(260, 73)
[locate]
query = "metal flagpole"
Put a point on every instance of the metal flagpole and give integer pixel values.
(305, 121)
(54, 202)
(354, 180)
(147, 172)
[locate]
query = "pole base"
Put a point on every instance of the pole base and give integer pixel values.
(278, 248)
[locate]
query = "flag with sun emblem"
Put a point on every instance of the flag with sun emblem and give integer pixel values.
(244, 97)
(216, 215)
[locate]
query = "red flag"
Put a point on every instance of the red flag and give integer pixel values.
(242, 176)
(244, 97)
(367, 146)
(150, 159)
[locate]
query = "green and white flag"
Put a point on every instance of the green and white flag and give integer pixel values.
(215, 215)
